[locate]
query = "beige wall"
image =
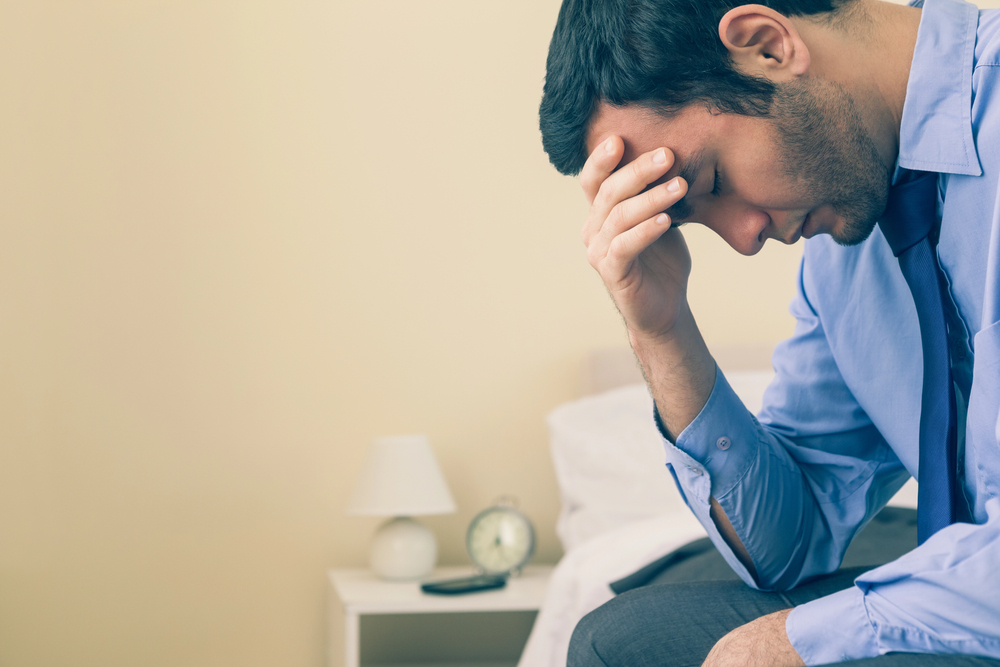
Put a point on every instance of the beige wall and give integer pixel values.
(238, 240)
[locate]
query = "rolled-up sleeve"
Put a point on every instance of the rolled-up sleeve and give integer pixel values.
(797, 489)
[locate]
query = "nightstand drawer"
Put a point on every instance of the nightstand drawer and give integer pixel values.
(374, 623)
(481, 638)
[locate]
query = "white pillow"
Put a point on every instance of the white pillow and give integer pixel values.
(609, 458)
(609, 463)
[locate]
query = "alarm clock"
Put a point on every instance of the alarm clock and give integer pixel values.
(500, 539)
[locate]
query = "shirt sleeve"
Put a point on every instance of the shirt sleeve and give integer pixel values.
(942, 597)
(800, 482)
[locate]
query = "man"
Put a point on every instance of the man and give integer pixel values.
(801, 118)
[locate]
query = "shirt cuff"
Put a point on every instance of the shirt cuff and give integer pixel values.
(832, 629)
(721, 441)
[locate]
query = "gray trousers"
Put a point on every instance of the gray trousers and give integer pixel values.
(672, 613)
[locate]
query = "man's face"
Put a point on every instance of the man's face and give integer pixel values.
(809, 168)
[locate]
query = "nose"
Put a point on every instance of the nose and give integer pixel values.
(745, 230)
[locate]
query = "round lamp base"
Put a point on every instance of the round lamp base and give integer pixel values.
(403, 550)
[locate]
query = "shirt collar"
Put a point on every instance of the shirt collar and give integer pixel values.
(935, 132)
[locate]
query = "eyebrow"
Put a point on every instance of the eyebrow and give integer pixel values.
(689, 172)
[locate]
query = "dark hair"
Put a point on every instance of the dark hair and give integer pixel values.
(661, 54)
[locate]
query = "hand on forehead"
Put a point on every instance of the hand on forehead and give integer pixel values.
(642, 130)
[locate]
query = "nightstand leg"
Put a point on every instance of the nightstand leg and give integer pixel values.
(338, 633)
(352, 641)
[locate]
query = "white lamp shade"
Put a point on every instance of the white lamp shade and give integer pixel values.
(400, 477)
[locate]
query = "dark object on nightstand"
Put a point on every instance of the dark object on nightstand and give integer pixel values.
(479, 582)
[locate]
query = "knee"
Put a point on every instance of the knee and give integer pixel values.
(591, 638)
(627, 630)
(672, 625)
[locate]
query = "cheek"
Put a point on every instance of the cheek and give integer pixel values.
(755, 168)
(765, 184)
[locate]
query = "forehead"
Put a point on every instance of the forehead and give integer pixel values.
(687, 132)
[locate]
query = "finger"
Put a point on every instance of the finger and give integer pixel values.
(634, 177)
(627, 182)
(600, 164)
(627, 246)
(632, 211)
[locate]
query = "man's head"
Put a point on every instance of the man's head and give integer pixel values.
(660, 54)
(725, 87)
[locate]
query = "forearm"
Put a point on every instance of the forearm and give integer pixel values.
(679, 370)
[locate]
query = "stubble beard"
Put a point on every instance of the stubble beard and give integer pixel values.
(830, 155)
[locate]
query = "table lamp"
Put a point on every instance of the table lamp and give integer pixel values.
(400, 478)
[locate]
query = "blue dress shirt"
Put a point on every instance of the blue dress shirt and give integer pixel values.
(837, 436)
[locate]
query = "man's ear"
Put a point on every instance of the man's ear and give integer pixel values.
(763, 42)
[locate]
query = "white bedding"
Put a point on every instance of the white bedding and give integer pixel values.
(579, 583)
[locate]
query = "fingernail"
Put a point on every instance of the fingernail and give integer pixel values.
(609, 145)
(662, 219)
(674, 186)
(660, 157)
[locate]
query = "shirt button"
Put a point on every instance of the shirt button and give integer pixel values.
(696, 471)
(723, 443)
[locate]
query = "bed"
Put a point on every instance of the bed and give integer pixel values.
(620, 508)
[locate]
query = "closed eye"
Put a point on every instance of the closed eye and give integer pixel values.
(682, 210)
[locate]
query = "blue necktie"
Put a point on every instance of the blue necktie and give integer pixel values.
(909, 218)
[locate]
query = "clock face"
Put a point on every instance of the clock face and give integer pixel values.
(500, 539)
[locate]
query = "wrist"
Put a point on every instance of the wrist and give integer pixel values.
(681, 327)
(679, 369)
(678, 352)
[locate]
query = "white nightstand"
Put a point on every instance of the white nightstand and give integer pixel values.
(375, 622)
